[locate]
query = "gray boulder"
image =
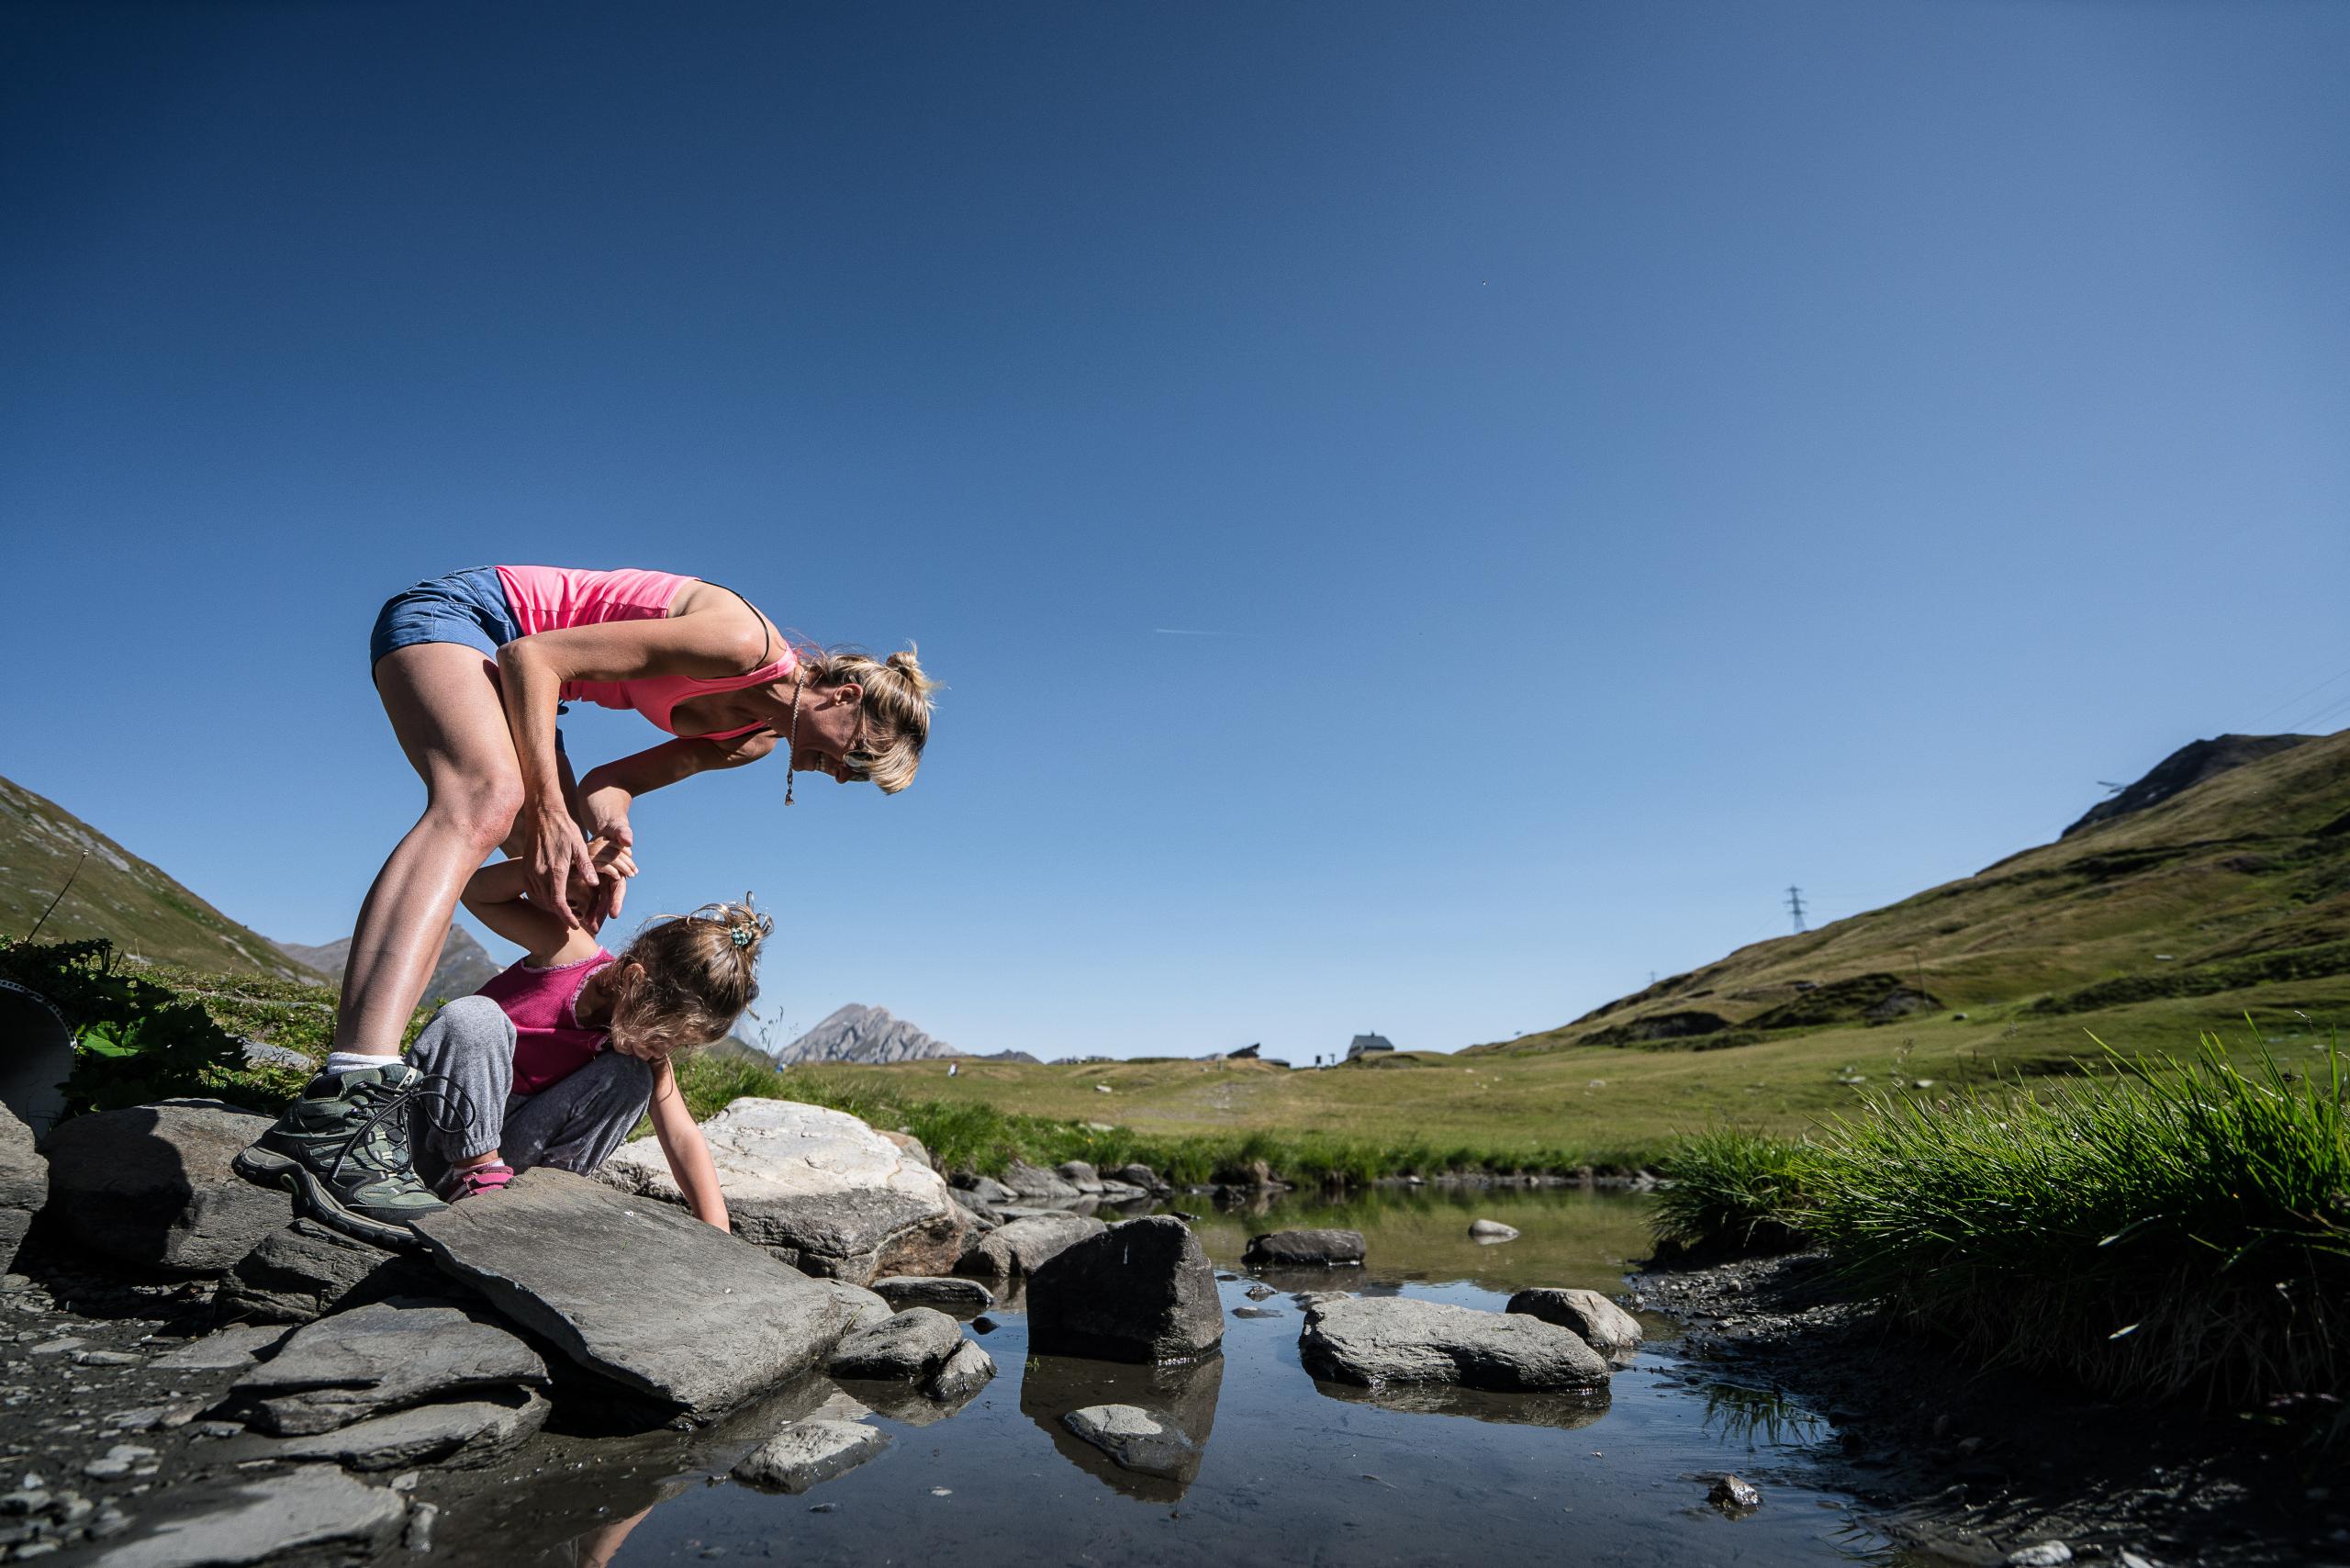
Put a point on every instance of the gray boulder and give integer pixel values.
(860, 1308)
(24, 1185)
(1080, 1175)
(379, 1358)
(1604, 1326)
(962, 1374)
(909, 1345)
(459, 1434)
(958, 1297)
(1291, 1248)
(303, 1271)
(1035, 1181)
(315, 1509)
(820, 1189)
(1141, 1176)
(151, 1186)
(1491, 1230)
(1135, 1439)
(1024, 1245)
(807, 1452)
(985, 1190)
(642, 1294)
(1373, 1341)
(1143, 1290)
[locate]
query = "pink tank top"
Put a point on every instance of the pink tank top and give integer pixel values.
(550, 1043)
(548, 599)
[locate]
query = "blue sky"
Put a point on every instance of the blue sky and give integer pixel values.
(1630, 458)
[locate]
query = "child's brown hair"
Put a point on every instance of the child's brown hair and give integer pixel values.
(692, 976)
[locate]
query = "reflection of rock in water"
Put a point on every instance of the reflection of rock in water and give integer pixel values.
(906, 1402)
(1564, 1411)
(1182, 1397)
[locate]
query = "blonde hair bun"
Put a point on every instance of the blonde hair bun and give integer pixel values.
(897, 704)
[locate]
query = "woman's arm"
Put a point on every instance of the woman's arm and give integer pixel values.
(532, 670)
(688, 1152)
(498, 896)
(610, 790)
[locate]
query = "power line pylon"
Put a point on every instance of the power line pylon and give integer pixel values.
(1795, 907)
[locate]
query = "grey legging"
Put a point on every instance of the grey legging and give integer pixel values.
(574, 1123)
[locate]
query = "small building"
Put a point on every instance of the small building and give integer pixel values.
(1369, 1045)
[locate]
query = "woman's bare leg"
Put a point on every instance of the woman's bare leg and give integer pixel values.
(444, 703)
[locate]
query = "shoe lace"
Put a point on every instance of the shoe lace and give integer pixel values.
(388, 1120)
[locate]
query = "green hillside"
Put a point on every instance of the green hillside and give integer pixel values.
(2228, 897)
(116, 895)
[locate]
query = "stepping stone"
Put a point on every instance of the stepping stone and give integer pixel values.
(909, 1344)
(1143, 1290)
(808, 1452)
(460, 1433)
(1135, 1439)
(380, 1358)
(1604, 1326)
(312, 1508)
(962, 1374)
(1328, 1248)
(638, 1291)
(1374, 1341)
(303, 1271)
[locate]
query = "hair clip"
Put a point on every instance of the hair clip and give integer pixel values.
(742, 934)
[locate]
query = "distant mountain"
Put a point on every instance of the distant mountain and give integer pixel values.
(861, 1033)
(464, 968)
(1009, 1056)
(115, 894)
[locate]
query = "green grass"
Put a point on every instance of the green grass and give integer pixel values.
(1734, 1190)
(2151, 1230)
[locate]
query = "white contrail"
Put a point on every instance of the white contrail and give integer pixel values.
(1188, 631)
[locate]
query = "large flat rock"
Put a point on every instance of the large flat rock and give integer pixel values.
(378, 1358)
(459, 1434)
(151, 1185)
(1143, 1290)
(641, 1293)
(1376, 1340)
(311, 1510)
(820, 1189)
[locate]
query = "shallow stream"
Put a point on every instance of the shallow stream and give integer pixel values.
(1293, 1471)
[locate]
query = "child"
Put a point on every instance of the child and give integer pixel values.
(552, 1062)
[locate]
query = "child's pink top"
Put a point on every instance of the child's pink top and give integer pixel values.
(550, 1043)
(548, 599)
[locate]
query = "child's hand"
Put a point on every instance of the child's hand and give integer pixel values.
(614, 862)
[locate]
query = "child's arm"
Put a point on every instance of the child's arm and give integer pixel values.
(497, 896)
(686, 1149)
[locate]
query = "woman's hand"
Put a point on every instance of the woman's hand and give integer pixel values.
(614, 864)
(556, 861)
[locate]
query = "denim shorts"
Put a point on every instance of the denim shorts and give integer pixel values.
(464, 606)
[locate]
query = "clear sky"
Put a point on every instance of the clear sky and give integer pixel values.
(1427, 513)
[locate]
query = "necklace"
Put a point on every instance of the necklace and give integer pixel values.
(791, 737)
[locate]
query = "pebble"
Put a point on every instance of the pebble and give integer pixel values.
(58, 1346)
(119, 1461)
(107, 1359)
(418, 1537)
(1729, 1492)
(2047, 1555)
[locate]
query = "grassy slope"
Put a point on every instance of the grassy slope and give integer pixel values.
(117, 895)
(2237, 865)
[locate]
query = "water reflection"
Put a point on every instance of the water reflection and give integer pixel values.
(1564, 1411)
(1183, 1397)
(1760, 1417)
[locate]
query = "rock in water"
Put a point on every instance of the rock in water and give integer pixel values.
(1138, 1291)
(962, 1374)
(152, 1186)
(860, 1308)
(641, 1293)
(1179, 1396)
(310, 1509)
(460, 1433)
(1136, 1438)
(1604, 1326)
(1732, 1495)
(1492, 1230)
(960, 1298)
(984, 1190)
(1023, 1246)
(1380, 1340)
(23, 1183)
(821, 1189)
(909, 1344)
(303, 1271)
(1034, 1181)
(1329, 1248)
(379, 1358)
(809, 1451)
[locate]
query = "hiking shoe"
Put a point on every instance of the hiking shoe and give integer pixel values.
(341, 1150)
(474, 1179)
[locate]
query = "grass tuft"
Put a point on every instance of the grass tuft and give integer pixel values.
(1733, 1189)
